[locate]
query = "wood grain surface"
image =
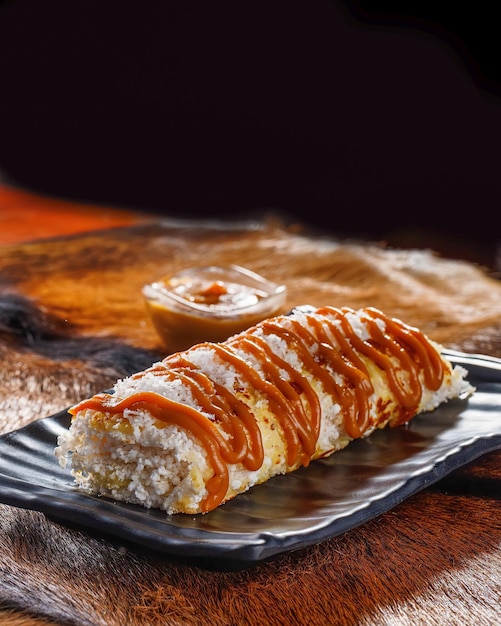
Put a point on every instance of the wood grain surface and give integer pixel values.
(72, 320)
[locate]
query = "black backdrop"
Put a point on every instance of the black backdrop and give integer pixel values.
(354, 116)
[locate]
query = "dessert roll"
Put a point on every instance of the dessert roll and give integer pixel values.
(208, 423)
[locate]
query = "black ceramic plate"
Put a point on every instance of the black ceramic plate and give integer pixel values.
(288, 512)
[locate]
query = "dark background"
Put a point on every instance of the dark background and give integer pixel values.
(352, 116)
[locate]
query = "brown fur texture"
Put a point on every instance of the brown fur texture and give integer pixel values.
(72, 320)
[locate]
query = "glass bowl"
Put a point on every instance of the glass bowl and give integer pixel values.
(210, 303)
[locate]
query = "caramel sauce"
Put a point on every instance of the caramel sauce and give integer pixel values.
(209, 295)
(333, 355)
(181, 329)
(210, 304)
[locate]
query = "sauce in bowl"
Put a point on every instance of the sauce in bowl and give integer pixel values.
(210, 304)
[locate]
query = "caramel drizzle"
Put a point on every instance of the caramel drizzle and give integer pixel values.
(334, 357)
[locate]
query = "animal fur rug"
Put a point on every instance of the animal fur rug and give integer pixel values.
(72, 321)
